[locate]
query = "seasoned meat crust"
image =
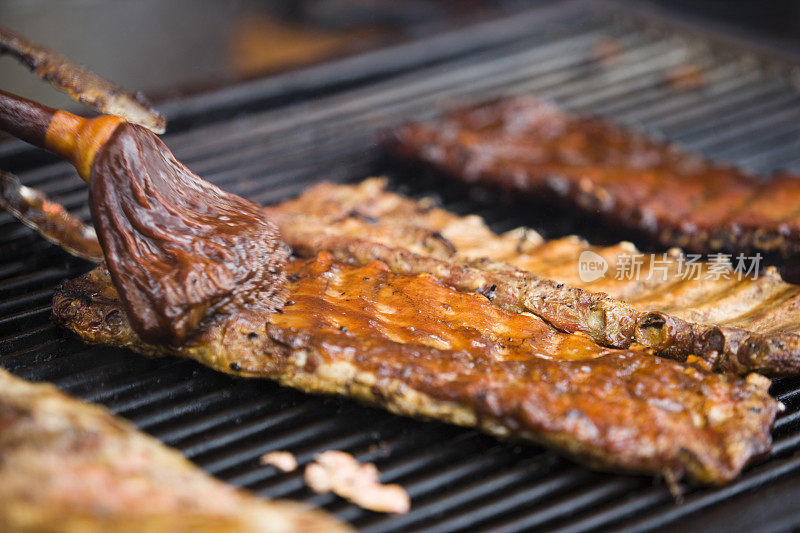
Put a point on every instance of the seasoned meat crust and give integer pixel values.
(72, 467)
(736, 324)
(528, 146)
(417, 347)
(740, 325)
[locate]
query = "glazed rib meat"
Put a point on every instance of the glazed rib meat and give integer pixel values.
(534, 148)
(72, 467)
(415, 346)
(736, 322)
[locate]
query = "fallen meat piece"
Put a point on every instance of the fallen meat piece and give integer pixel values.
(607, 51)
(69, 466)
(736, 324)
(418, 347)
(534, 148)
(685, 77)
(283, 461)
(339, 472)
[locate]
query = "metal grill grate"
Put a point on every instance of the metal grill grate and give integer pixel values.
(274, 142)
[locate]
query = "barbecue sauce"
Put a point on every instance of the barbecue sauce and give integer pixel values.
(178, 248)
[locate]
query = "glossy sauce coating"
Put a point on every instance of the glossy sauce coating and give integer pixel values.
(372, 302)
(420, 348)
(179, 249)
(739, 325)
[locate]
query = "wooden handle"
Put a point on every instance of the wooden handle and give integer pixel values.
(74, 138)
(25, 119)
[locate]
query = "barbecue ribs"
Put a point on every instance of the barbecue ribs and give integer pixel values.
(531, 147)
(737, 324)
(417, 347)
(72, 467)
(740, 325)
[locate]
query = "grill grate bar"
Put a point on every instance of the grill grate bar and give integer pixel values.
(15, 343)
(645, 73)
(728, 81)
(655, 496)
(701, 501)
(729, 114)
(781, 155)
(537, 468)
(153, 374)
(12, 321)
(734, 139)
(568, 505)
(100, 371)
(40, 354)
(181, 432)
(177, 390)
(243, 432)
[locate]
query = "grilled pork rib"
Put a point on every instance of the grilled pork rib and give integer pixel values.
(69, 466)
(417, 347)
(737, 324)
(532, 147)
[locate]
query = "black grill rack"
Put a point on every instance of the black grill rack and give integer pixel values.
(270, 139)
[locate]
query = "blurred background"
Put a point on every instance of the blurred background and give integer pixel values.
(167, 48)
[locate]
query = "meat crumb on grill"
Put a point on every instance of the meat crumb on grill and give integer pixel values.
(607, 52)
(340, 473)
(685, 77)
(283, 461)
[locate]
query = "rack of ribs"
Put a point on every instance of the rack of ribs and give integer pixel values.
(66, 465)
(418, 347)
(531, 147)
(736, 323)
(739, 324)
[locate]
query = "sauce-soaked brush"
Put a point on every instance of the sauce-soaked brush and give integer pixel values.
(178, 248)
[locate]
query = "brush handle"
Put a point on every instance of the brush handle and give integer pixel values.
(25, 119)
(74, 138)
